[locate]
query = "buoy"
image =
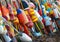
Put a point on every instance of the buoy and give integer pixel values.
(22, 20)
(25, 38)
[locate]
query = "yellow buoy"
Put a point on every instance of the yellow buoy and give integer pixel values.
(51, 12)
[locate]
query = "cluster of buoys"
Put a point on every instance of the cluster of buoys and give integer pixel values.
(23, 20)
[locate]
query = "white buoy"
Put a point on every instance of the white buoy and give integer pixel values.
(7, 38)
(47, 21)
(1, 29)
(25, 38)
(56, 13)
(38, 16)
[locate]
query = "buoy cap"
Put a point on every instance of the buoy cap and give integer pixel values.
(19, 11)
